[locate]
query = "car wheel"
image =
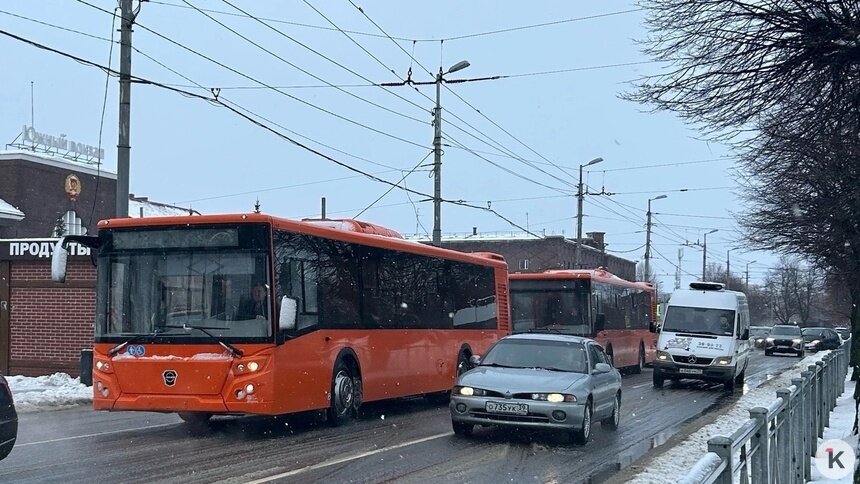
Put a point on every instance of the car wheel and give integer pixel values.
(342, 396)
(801, 354)
(659, 379)
(768, 352)
(729, 384)
(611, 423)
(462, 428)
(5, 449)
(741, 377)
(582, 435)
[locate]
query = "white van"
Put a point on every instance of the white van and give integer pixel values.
(704, 335)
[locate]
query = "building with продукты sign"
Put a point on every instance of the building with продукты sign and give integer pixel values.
(44, 325)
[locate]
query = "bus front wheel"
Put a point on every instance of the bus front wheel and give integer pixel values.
(197, 419)
(342, 395)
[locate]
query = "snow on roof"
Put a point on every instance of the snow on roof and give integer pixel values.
(499, 237)
(57, 161)
(143, 207)
(7, 211)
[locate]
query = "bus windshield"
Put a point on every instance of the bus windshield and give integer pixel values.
(166, 291)
(556, 305)
(699, 320)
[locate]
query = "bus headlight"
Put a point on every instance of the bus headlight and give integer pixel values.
(249, 388)
(253, 366)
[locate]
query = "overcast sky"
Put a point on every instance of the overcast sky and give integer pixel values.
(189, 152)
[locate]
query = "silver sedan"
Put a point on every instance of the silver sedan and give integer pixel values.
(539, 381)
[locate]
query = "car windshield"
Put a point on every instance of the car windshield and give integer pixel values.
(786, 331)
(699, 320)
(536, 353)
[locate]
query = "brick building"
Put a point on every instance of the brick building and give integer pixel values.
(527, 253)
(44, 325)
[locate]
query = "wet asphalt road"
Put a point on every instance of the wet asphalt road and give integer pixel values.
(399, 441)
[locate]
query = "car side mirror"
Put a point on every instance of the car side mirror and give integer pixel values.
(474, 360)
(287, 317)
(745, 334)
(602, 368)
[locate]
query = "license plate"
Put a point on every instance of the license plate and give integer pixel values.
(690, 371)
(509, 408)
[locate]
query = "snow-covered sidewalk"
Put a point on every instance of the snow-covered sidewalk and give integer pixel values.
(841, 423)
(32, 394)
(674, 464)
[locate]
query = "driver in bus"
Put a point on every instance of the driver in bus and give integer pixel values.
(257, 307)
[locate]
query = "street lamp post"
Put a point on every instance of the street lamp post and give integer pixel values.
(747, 276)
(728, 265)
(579, 195)
(437, 149)
(705, 253)
(648, 238)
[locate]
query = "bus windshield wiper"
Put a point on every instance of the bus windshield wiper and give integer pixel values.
(116, 349)
(204, 329)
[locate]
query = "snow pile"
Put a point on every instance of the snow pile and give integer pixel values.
(841, 423)
(55, 391)
(674, 464)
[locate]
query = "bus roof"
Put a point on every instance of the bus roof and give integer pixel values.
(601, 275)
(346, 230)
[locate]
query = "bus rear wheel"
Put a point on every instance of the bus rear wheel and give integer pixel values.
(342, 395)
(640, 363)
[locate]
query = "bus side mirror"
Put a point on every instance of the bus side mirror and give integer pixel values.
(59, 259)
(289, 311)
(599, 323)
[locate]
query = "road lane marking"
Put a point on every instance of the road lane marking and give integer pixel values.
(640, 385)
(109, 432)
(341, 460)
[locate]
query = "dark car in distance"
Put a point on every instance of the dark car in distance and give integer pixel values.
(8, 419)
(817, 339)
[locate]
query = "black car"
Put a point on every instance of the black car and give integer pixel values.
(784, 338)
(8, 419)
(817, 339)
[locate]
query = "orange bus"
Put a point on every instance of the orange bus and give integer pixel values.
(618, 314)
(252, 314)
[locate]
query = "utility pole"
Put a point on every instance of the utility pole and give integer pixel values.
(437, 164)
(123, 146)
(747, 276)
(705, 254)
(728, 265)
(678, 268)
(579, 195)
(648, 238)
(437, 152)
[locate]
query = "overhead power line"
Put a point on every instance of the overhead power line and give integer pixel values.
(216, 102)
(396, 185)
(661, 165)
(405, 39)
(252, 79)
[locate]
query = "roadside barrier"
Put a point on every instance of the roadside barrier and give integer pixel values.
(777, 442)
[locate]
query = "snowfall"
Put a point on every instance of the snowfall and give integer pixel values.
(674, 464)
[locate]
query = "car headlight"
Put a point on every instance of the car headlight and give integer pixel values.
(759, 340)
(724, 361)
(815, 342)
(769, 340)
(553, 397)
(469, 391)
(663, 356)
(797, 340)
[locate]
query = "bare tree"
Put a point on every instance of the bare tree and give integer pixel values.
(730, 63)
(784, 74)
